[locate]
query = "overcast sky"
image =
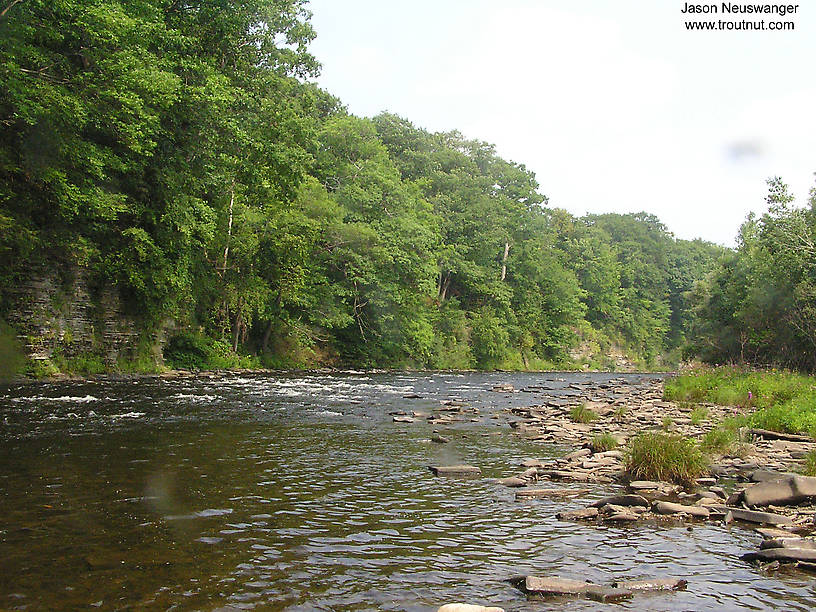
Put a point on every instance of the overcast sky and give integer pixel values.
(612, 103)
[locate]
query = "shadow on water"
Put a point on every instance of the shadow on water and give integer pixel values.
(300, 493)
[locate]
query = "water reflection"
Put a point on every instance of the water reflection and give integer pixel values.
(300, 493)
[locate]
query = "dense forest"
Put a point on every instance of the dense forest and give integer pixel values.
(179, 152)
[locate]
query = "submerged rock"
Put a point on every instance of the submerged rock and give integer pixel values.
(577, 515)
(513, 481)
(455, 470)
(653, 584)
(459, 607)
(784, 555)
(533, 493)
(545, 587)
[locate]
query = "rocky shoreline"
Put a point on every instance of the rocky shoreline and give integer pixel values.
(758, 486)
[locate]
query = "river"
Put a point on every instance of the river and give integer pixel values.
(299, 492)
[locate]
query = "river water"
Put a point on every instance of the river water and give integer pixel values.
(301, 493)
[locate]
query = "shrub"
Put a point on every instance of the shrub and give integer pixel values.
(657, 456)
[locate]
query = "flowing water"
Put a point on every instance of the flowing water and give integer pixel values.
(301, 493)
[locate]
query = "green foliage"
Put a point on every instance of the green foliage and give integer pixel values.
(781, 401)
(758, 306)
(12, 357)
(582, 414)
(810, 464)
(698, 415)
(656, 456)
(603, 442)
(719, 440)
(177, 152)
(197, 352)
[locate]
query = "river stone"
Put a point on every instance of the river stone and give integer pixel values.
(439, 439)
(621, 500)
(621, 517)
(577, 515)
(768, 475)
(513, 481)
(458, 607)
(529, 493)
(789, 542)
(529, 473)
(560, 586)
(455, 470)
(655, 584)
(581, 452)
(604, 594)
(752, 516)
(773, 532)
(672, 508)
(403, 419)
(784, 555)
(786, 490)
(532, 463)
(771, 492)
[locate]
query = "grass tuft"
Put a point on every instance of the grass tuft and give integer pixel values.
(810, 464)
(582, 414)
(719, 440)
(603, 442)
(657, 456)
(698, 415)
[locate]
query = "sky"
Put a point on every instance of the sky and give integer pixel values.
(613, 104)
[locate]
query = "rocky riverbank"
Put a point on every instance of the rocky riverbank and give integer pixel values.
(756, 484)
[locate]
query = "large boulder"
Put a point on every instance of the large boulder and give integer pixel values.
(789, 489)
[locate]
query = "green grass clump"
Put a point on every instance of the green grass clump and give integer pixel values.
(779, 401)
(657, 456)
(731, 386)
(810, 464)
(719, 440)
(698, 415)
(797, 415)
(603, 442)
(582, 414)
(667, 423)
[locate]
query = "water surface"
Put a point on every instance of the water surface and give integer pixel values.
(301, 493)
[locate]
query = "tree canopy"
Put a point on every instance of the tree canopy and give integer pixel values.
(178, 152)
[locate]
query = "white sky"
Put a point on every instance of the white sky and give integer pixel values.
(612, 103)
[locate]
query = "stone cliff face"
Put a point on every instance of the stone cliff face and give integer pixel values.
(64, 317)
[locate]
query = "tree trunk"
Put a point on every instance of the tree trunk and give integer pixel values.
(267, 335)
(6, 10)
(236, 328)
(443, 287)
(504, 259)
(229, 229)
